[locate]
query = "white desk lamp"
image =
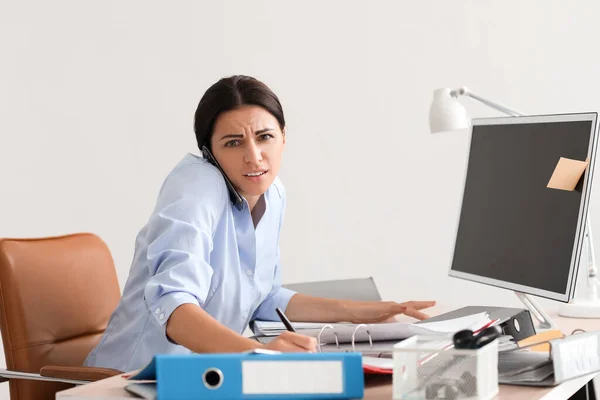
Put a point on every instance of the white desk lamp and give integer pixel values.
(447, 114)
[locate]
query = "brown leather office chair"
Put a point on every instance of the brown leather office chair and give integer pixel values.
(56, 296)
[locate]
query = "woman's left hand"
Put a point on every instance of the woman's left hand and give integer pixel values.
(385, 311)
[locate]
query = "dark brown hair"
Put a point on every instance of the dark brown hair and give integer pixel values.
(228, 94)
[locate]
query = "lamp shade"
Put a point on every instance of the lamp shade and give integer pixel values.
(446, 112)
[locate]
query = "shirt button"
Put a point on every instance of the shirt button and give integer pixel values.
(249, 272)
(157, 311)
(161, 316)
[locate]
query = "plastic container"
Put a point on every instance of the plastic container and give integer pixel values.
(430, 368)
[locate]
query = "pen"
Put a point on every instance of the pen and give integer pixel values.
(285, 321)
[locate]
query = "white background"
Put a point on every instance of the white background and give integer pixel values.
(97, 101)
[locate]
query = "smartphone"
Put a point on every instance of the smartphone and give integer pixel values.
(235, 197)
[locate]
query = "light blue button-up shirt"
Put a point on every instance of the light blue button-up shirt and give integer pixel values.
(197, 247)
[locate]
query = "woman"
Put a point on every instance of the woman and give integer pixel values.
(207, 261)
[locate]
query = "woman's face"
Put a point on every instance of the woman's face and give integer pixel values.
(248, 143)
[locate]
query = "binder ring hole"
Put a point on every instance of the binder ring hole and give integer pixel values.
(212, 378)
(354, 336)
(319, 337)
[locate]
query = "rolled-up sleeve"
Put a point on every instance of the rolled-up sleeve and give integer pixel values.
(179, 240)
(278, 297)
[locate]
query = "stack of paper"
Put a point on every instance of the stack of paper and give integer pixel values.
(379, 331)
(274, 328)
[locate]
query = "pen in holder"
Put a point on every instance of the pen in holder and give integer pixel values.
(425, 367)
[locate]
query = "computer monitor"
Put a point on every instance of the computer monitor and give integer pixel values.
(513, 231)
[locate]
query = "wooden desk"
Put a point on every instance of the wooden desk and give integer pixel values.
(376, 387)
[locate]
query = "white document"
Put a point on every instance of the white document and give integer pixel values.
(378, 331)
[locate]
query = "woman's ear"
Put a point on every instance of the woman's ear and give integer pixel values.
(283, 133)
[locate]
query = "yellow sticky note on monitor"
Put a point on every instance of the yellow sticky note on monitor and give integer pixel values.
(567, 173)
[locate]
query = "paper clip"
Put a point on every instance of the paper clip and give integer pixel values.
(354, 336)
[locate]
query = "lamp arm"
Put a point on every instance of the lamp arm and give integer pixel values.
(463, 91)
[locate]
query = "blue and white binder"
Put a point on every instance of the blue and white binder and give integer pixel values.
(253, 375)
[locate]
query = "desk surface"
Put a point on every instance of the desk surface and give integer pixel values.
(376, 387)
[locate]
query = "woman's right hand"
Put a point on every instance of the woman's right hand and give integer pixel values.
(290, 342)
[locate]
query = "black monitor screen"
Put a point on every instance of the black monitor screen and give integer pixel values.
(512, 227)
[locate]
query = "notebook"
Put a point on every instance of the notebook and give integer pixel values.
(378, 337)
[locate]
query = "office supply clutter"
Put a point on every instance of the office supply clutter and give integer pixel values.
(374, 341)
(515, 322)
(550, 362)
(378, 336)
(427, 367)
(259, 374)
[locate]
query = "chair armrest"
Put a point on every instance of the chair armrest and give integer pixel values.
(90, 374)
(7, 375)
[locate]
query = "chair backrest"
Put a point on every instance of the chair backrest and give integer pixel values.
(362, 289)
(56, 297)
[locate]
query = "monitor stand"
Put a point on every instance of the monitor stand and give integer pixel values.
(590, 307)
(545, 323)
(576, 308)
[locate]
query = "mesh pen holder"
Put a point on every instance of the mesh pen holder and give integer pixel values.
(430, 368)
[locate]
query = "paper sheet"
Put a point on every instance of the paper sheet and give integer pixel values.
(567, 173)
(379, 331)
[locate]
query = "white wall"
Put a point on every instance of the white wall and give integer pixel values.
(97, 102)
